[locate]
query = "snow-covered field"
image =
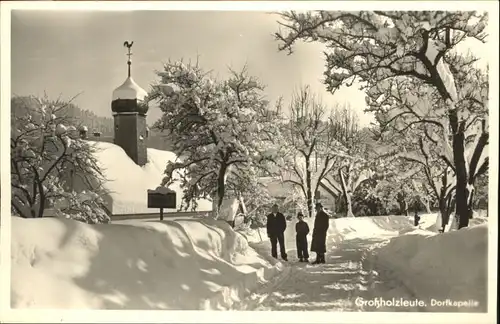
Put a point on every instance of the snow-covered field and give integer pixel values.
(204, 264)
(187, 264)
(129, 183)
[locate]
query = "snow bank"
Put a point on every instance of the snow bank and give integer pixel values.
(229, 209)
(444, 266)
(253, 235)
(128, 182)
(478, 217)
(432, 266)
(375, 226)
(185, 264)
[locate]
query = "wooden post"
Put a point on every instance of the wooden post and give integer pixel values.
(161, 214)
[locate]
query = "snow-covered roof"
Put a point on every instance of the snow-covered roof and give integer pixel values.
(129, 90)
(129, 183)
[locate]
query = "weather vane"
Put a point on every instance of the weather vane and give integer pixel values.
(129, 54)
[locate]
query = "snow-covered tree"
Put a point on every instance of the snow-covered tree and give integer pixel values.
(427, 121)
(387, 49)
(397, 183)
(364, 203)
(95, 123)
(356, 169)
(425, 197)
(252, 195)
(413, 150)
(296, 201)
(46, 156)
(470, 131)
(222, 130)
(481, 196)
(312, 151)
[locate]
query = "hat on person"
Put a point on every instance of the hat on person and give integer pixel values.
(319, 205)
(300, 214)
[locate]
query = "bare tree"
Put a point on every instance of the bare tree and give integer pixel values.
(313, 151)
(356, 168)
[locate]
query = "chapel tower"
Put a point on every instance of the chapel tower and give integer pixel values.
(129, 112)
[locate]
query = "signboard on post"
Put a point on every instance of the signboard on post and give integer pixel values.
(162, 197)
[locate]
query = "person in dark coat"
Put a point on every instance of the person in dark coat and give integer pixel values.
(321, 224)
(276, 225)
(416, 220)
(302, 229)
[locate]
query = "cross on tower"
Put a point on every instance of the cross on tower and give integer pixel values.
(129, 54)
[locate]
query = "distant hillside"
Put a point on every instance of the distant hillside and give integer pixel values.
(92, 121)
(155, 140)
(22, 105)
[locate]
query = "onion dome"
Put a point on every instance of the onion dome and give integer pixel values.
(129, 97)
(129, 90)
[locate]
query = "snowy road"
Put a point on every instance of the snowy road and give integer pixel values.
(345, 283)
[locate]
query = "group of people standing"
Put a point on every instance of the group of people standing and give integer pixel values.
(276, 226)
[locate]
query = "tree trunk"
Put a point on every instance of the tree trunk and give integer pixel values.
(425, 202)
(373, 208)
(348, 201)
(347, 195)
(242, 205)
(258, 231)
(403, 209)
(221, 189)
(427, 207)
(33, 212)
(443, 210)
(450, 205)
(476, 170)
(41, 207)
(401, 200)
(16, 208)
(470, 204)
(462, 208)
(308, 188)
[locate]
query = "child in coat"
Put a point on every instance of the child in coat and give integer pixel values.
(302, 229)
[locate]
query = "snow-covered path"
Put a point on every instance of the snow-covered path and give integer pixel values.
(342, 284)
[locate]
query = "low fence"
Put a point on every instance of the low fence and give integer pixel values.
(186, 214)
